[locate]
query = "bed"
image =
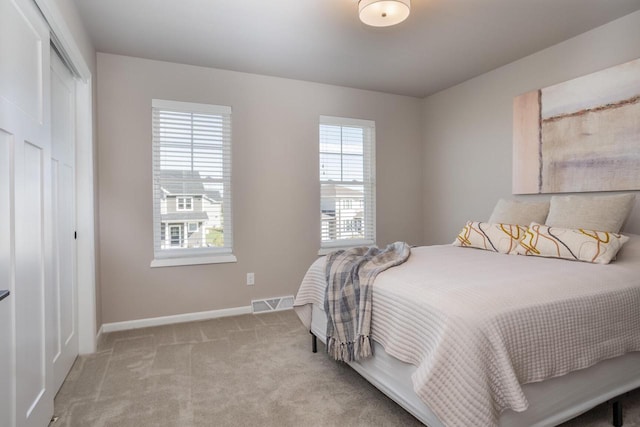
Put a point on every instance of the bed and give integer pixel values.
(470, 337)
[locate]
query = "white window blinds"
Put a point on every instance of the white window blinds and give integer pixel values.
(347, 182)
(191, 179)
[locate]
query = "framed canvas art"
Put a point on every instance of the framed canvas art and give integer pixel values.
(580, 135)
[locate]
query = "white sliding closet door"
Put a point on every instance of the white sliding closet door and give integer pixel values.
(25, 245)
(7, 401)
(64, 307)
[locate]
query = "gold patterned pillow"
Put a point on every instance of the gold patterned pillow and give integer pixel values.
(581, 245)
(503, 238)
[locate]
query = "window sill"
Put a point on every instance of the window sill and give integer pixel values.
(211, 259)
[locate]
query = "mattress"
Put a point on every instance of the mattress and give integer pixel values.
(477, 325)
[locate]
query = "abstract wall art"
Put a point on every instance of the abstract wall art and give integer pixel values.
(580, 135)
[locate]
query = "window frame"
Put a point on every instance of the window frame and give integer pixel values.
(184, 204)
(202, 255)
(368, 183)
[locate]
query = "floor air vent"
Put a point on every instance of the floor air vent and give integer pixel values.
(272, 304)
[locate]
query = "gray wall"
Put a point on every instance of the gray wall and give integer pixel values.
(275, 182)
(440, 162)
(468, 128)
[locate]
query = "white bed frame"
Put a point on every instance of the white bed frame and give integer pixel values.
(551, 402)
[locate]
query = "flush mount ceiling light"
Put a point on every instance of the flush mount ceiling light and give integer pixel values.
(383, 13)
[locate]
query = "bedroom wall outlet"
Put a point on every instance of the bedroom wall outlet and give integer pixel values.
(251, 279)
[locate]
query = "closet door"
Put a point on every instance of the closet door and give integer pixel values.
(25, 146)
(64, 308)
(6, 307)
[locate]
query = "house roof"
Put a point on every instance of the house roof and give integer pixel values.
(184, 216)
(187, 183)
(333, 190)
(213, 196)
(182, 183)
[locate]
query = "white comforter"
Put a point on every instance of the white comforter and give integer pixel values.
(478, 324)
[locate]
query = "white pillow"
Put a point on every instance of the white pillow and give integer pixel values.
(602, 213)
(599, 247)
(519, 212)
(503, 238)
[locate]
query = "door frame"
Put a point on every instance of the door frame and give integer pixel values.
(62, 38)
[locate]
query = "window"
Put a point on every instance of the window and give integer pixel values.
(191, 183)
(347, 182)
(185, 203)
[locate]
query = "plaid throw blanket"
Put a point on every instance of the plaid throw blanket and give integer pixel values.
(350, 274)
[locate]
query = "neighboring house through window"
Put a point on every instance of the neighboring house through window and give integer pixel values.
(347, 182)
(192, 183)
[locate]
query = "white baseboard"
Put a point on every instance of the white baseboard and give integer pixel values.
(99, 336)
(167, 320)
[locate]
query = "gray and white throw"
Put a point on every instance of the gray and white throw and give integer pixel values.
(350, 275)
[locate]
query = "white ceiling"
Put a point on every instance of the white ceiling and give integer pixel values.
(442, 43)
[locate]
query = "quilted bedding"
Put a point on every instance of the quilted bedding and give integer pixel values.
(477, 325)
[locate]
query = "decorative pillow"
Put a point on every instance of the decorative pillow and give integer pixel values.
(604, 213)
(518, 212)
(581, 245)
(503, 238)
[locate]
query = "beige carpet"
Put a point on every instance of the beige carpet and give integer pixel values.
(251, 370)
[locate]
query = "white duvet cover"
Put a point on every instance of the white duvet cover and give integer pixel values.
(478, 324)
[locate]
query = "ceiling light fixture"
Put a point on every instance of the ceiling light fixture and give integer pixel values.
(383, 13)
